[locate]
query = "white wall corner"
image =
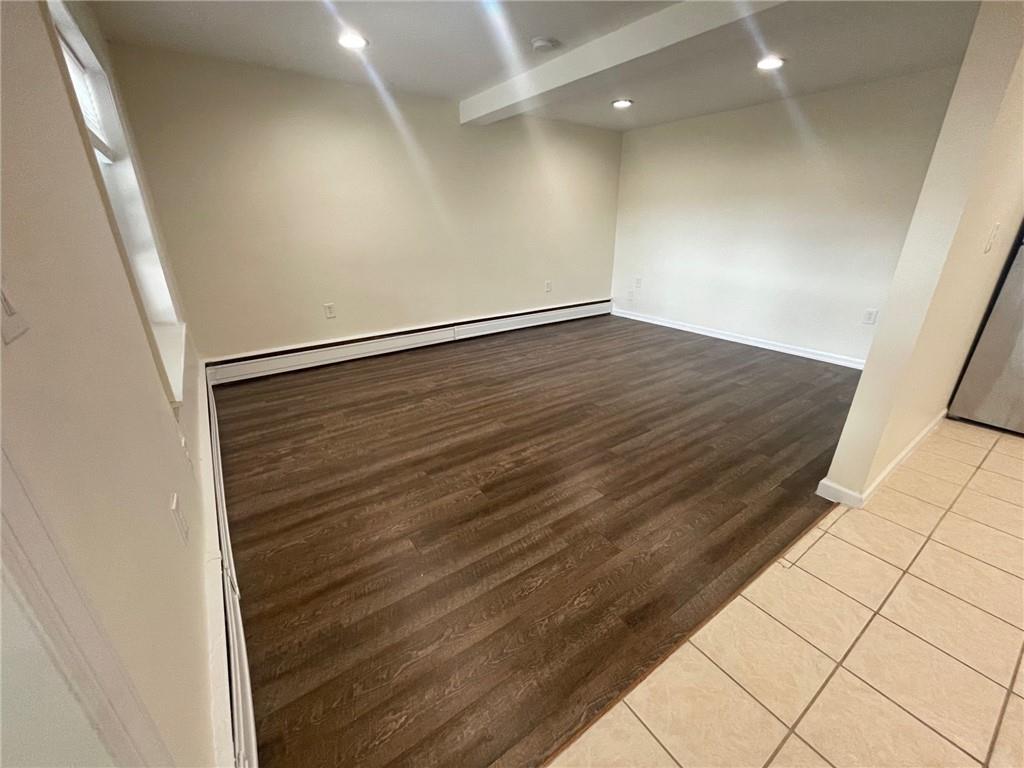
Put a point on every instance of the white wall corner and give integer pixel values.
(889, 407)
(833, 491)
(775, 346)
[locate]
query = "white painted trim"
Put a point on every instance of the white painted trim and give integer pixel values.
(243, 720)
(210, 361)
(502, 324)
(213, 583)
(775, 346)
(840, 493)
(219, 373)
(833, 491)
(80, 647)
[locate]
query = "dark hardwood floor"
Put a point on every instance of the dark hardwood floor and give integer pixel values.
(461, 555)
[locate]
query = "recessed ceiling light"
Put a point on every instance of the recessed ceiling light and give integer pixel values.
(770, 62)
(622, 103)
(542, 44)
(351, 40)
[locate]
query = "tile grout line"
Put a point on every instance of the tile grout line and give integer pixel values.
(980, 560)
(1001, 472)
(931, 452)
(927, 536)
(808, 745)
(769, 615)
(738, 683)
(910, 631)
(901, 525)
(975, 559)
(876, 612)
(986, 525)
(896, 704)
(906, 571)
(791, 730)
(816, 577)
(1002, 710)
(653, 735)
(855, 546)
(947, 592)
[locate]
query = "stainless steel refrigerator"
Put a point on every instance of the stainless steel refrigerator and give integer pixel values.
(991, 389)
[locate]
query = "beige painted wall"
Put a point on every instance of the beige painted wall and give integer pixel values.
(87, 425)
(781, 221)
(968, 279)
(277, 192)
(925, 332)
(41, 720)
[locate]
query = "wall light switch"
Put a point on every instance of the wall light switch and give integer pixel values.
(870, 317)
(329, 311)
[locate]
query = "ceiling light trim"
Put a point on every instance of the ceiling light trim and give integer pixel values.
(351, 40)
(770, 62)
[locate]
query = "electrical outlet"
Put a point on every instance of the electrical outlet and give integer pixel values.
(638, 283)
(329, 311)
(629, 297)
(547, 286)
(870, 317)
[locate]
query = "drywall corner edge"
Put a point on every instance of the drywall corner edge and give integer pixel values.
(833, 491)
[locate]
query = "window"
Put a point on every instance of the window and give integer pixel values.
(98, 105)
(87, 103)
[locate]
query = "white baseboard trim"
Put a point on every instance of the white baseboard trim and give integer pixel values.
(833, 491)
(840, 494)
(243, 719)
(873, 486)
(282, 360)
(789, 349)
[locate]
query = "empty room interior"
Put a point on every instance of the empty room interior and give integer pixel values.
(470, 383)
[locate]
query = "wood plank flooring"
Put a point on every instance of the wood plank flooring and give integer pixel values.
(461, 555)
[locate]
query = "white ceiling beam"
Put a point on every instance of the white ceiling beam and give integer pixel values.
(550, 81)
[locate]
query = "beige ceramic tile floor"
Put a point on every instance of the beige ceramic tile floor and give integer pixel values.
(886, 636)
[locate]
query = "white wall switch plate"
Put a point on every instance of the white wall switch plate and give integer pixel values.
(547, 286)
(329, 312)
(870, 317)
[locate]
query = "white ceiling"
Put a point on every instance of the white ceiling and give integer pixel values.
(439, 48)
(825, 45)
(452, 49)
